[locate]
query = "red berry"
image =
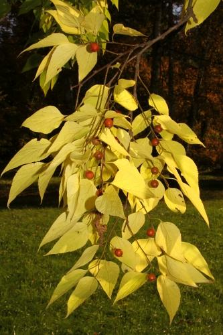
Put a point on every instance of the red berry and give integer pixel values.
(151, 277)
(155, 142)
(151, 232)
(154, 183)
(158, 128)
(99, 192)
(89, 174)
(94, 47)
(98, 155)
(154, 170)
(118, 252)
(108, 123)
(95, 141)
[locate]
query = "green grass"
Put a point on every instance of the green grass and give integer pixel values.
(27, 280)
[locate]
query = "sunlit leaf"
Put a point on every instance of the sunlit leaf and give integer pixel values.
(168, 238)
(49, 41)
(141, 122)
(132, 225)
(72, 240)
(93, 20)
(202, 9)
(106, 273)
(147, 250)
(86, 61)
(174, 199)
(130, 180)
(131, 281)
(32, 151)
(66, 283)
(157, 102)
(44, 120)
(188, 170)
(60, 226)
(122, 30)
(129, 256)
(86, 257)
(23, 178)
(194, 257)
(169, 293)
(110, 203)
(124, 97)
(84, 289)
(107, 137)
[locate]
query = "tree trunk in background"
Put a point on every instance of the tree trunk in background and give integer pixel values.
(171, 61)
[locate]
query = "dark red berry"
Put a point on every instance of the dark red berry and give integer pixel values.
(151, 232)
(154, 170)
(89, 174)
(108, 123)
(118, 252)
(155, 142)
(154, 183)
(98, 155)
(158, 128)
(151, 277)
(94, 47)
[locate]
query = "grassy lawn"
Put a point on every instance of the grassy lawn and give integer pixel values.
(27, 280)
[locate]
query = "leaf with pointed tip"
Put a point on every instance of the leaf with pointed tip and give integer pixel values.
(129, 256)
(110, 203)
(66, 283)
(23, 178)
(169, 293)
(86, 61)
(125, 98)
(174, 199)
(106, 274)
(44, 120)
(168, 238)
(86, 257)
(131, 281)
(141, 122)
(72, 240)
(122, 30)
(32, 151)
(133, 224)
(84, 289)
(158, 103)
(49, 41)
(107, 137)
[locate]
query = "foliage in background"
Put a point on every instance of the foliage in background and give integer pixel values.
(111, 148)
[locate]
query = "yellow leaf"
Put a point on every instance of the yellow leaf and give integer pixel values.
(73, 188)
(44, 179)
(44, 120)
(122, 30)
(147, 250)
(202, 9)
(106, 274)
(73, 239)
(93, 20)
(131, 281)
(172, 147)
(43, 67)
(194, 257)
(146, 205)
(85, 112)
(126, 83)
(130, 180)
(169, 293)
(60, 226)
(86, 61)
(86, 257)
(49, 41)
(141, 122)
(133, 224)
(168, 238)
(174, 199)
(122, 122)
(110, 203)
(141, 148)
(32, 151)
(188, 170)
(125, 98)
(24, 177)
(60, 56)
(129, 256)
(65, 27)
(71, 131)
(175, 270)
(66, 283)
(188, 135)
(84, 289)
(107, 137)
(97, 96)
(157, 102)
